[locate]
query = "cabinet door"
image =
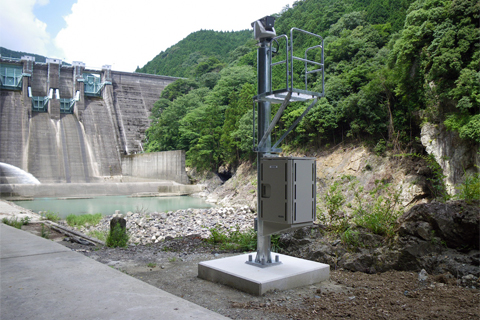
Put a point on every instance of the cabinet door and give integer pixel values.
(303, 191)
(273, 190)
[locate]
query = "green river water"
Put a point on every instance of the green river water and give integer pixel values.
(108, 204)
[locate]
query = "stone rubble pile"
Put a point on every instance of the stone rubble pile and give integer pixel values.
(146, 228)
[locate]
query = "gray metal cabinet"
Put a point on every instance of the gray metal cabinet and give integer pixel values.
(288, 194)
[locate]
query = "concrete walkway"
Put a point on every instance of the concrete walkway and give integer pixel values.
(40, 279)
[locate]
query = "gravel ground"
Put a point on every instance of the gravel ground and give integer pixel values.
(172, 266)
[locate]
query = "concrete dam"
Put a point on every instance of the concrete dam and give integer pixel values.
(71, 125)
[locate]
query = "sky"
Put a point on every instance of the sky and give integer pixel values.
(123, 34)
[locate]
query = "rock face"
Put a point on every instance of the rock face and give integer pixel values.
(440, 238)
(453, 154)
(455, 223)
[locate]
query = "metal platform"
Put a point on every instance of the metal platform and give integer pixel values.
(279, 96)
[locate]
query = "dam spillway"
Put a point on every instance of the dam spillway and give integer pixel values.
(68, 124)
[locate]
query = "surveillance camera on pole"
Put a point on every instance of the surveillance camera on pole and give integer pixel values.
(286, 190)
(264, 28)
(286, 195)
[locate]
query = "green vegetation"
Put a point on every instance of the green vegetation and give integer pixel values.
(233, 238)
(379, 210)
(81, 220)
(200, 53)
(100, 235)
(49, 215)
(470, 189)
(390, 66)
(45, 232)
(436, 180)
(350, 237)
(334, 199)
(375, 211)
(118, 237)
(14, 222)
(4, 52)
(151, 264)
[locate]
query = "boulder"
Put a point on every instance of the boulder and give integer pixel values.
(455, 223)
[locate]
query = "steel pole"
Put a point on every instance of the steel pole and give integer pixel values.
(264, 114)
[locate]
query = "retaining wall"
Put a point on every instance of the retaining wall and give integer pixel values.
(167, 165)
(80, 190)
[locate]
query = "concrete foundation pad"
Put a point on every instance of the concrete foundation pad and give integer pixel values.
(291, 273)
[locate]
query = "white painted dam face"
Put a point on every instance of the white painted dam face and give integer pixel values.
(14, 175)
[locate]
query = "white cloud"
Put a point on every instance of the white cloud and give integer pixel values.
(125, 34)
(20, 30)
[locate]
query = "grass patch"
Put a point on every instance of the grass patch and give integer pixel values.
(14, 222)
(82, 220)
(100, 235)
(233, 238)
(151, 264)
(49, 215)
(350, 238)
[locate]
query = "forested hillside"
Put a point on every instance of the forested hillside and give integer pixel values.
(191, 55)
(7, 53)
(390, 66)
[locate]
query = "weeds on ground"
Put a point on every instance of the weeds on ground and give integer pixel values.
(379, 210)
(118, 237)
(45, 232)
(376, 211)
(151, 264)
(233, 238)
(14, 222)
(100, 235)
(350, 237)
(49, 215)
(82, 220)
(275, 242)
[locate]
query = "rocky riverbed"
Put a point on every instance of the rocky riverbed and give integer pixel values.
(153, 227)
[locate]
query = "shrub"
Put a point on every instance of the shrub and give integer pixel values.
(334, 199)
(379, 211)
(470, 189)
(380, 147)
(117, 237)
(45, 232)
